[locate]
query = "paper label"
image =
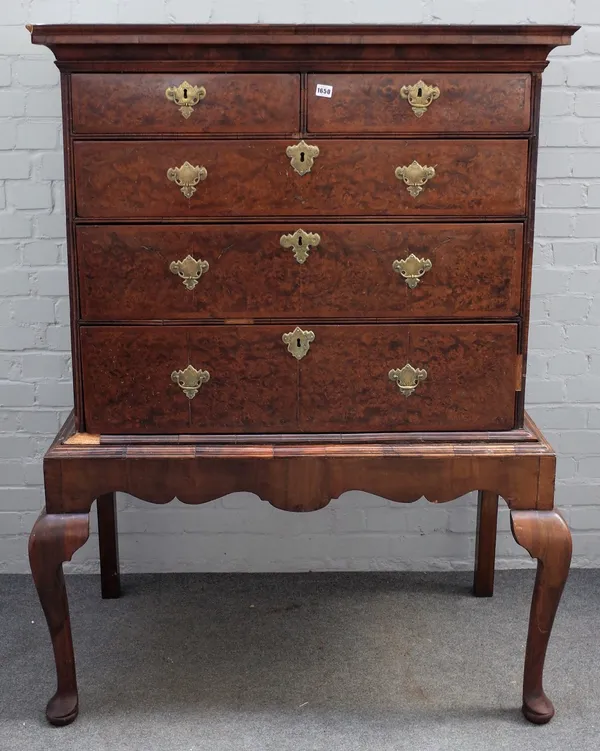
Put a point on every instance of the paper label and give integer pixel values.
(324, 90)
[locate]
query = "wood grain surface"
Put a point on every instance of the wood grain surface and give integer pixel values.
(256, 385)
(468, 103)
(254, 178)
(234, 103)
(124, 271)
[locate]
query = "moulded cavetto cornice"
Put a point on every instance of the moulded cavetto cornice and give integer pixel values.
(264, 42)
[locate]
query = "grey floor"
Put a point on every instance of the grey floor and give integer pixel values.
(309, 662)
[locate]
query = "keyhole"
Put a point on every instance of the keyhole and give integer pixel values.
(298, 343)
(185, 94)
(301, 156)
(299, 241)
(419, 92)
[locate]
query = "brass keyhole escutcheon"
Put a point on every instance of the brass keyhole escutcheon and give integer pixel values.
(190, 270)
(412, 269)
(190, 380)
(415, 176)
(301, 243)
(302, 156)
(185, 96)
(420, 95)
(187, 177)
(298, 342)
(407, 378)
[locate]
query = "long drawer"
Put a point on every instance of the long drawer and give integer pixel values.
(322, 378)
(321, 270)
(241, 178)
(420, 103)
(196, 103)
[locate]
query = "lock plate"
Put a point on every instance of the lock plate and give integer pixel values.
(301, 243)
(302, 156)
(298, 342)
(420, 95)
(185, 96)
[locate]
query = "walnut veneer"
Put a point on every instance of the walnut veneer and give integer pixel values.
(298, 290)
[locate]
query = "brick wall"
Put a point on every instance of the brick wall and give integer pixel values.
(239, 532)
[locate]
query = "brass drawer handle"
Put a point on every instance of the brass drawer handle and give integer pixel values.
(420, 95)
(412, 269)
(185, 96)
(415, 176)
(301, 243)
(298, 342)
(190, 380)
(187, 177)
(407, 378)
(190, 270)
(302, 156)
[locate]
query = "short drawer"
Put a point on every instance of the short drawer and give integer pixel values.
(196, 103)
(147, 272)
(322, 378)
(420, 103)
(243, 178)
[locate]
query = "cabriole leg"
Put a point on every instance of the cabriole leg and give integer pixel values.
(485, 544)
(108, 543)
(545, 535)
(53, 540)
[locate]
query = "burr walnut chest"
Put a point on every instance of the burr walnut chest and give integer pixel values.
(300, 263)
(287, 230)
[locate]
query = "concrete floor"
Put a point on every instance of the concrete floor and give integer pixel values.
(307, 662)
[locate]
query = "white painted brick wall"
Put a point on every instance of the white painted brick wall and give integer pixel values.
(360, 531)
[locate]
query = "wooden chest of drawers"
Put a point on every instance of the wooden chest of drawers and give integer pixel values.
(283, 231)
(300, 264)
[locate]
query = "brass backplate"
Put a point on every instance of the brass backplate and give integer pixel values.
(187, 177)
(407, 378)
(298, 342)
(190, 380)
(420, 95)
(301, 243)
(412, 269)
(185, 96)
(302, 156)
(190, 270)
(415, 176)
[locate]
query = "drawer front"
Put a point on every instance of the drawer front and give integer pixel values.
(255, 178)
(128, 386)
(351, 378)
(420, 103)
(244, 271)
(226, 103)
